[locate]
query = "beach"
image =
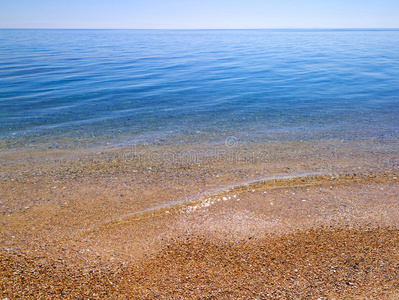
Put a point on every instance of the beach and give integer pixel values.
(199, 164)
(128, 223)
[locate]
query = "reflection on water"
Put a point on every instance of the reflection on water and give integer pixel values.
(65, 88)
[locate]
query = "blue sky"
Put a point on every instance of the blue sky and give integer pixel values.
(199, 14)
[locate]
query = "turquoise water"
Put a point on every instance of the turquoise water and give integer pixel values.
(67, 88)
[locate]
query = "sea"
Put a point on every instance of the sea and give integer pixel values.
(112, 88)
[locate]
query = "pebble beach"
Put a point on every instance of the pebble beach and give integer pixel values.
(199, 164)
(105, 225)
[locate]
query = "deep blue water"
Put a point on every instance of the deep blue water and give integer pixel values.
(84, 87)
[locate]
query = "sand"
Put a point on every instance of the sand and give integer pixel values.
(298, 220)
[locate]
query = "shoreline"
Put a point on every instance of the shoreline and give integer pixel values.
(110, 212)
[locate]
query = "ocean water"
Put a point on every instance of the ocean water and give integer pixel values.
(82, 88)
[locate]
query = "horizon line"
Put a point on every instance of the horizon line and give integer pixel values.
(286, 28)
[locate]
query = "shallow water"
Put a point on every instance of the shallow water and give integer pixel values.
(79, 88)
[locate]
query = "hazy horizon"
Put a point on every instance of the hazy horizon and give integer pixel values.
(193, 29)
(207, 14)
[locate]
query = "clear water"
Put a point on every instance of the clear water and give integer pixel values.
(65, 88)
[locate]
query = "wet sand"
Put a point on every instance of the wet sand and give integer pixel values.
(291, 221)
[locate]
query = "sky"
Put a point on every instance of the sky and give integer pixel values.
(199, 14)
